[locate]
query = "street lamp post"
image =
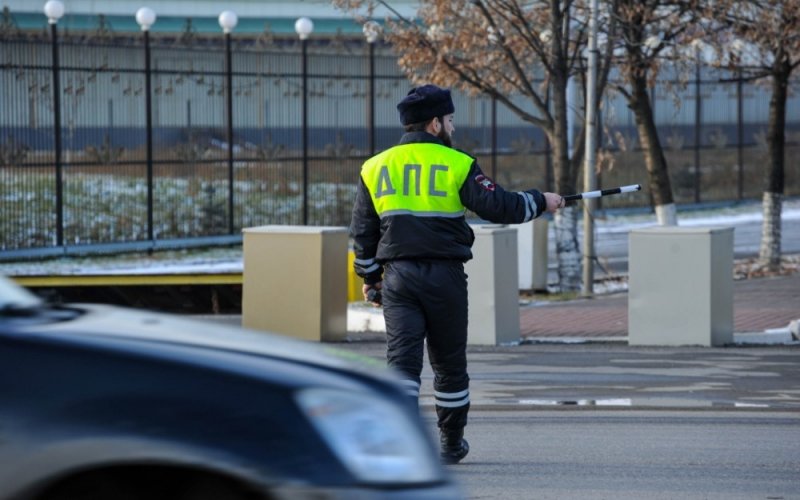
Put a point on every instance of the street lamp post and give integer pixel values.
(589, 175)
(146, 17)
(228, 21)
(372, 31)
(54, 10)
(304, 26)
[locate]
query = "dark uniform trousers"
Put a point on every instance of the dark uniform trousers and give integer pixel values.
(427, 300)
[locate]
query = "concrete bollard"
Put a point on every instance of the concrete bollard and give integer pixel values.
(493, 286)
(680, 289)
(532, 254)
(295, 281)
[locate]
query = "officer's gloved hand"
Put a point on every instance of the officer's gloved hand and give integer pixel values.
(372, 294)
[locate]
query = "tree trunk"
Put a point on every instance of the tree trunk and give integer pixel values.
(654, 160)
(770, 252)
(566, 221)
(570, 271)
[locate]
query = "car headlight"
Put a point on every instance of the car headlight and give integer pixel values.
(374, 438)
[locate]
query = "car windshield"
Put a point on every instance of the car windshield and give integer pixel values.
(13, 296)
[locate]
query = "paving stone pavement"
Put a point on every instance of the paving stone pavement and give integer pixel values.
(759, 304)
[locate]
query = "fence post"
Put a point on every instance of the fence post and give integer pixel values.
(305, 131)
(303, 26)
(228, 21)
(371, 98)
(371, 31)
(54, 9)
(698, 117)
(146, 17)
(740, 136)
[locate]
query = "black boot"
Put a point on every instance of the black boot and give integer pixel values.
(453, 446)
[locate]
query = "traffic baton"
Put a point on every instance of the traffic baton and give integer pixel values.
(603, 192)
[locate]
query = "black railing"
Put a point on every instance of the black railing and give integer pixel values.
(144, 141)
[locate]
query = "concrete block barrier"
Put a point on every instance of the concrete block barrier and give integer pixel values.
(680, 288)
(493, 286)
(532, 254)
(295, 282)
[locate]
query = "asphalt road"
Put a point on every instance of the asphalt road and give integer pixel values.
(606, 421)
(631, 455)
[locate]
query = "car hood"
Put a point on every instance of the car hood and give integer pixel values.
(112, 322)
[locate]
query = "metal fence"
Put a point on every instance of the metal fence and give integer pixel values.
(113, 141)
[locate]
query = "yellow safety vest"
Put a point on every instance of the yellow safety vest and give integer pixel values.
(420, 179)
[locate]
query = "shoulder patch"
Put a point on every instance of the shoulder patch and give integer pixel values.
(485, 182)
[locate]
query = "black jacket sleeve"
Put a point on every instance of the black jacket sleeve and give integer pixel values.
(493, 203)
(365, 230)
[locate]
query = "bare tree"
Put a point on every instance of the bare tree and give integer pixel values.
(651, 32)
(761, 38)
(501, 48)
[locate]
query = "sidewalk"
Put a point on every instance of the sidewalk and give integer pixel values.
(763, 308)
(759, 304)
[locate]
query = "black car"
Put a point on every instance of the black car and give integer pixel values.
(100, 402)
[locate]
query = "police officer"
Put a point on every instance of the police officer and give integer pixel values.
(411, 240)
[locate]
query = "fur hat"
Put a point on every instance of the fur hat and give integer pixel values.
(423, 103)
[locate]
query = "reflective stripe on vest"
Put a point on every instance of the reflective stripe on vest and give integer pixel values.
(420, 179)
